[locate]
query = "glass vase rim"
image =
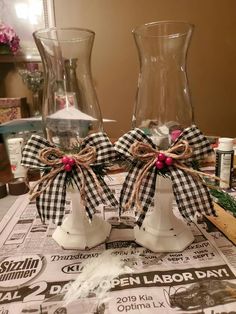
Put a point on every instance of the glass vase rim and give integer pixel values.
(140, 30)
(41, 32)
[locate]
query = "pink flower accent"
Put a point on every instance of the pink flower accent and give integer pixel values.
(175, 134)
(9, 38)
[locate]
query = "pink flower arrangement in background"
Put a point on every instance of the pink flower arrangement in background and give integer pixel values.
(8, 38)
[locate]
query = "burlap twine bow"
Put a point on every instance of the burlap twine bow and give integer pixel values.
(60, 169)
(180, 153)
(83, 159)
(191, 193)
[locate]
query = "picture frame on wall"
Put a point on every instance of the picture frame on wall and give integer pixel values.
(25, 17)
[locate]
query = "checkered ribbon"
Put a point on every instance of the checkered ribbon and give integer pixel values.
(190, 193)
(51, 201)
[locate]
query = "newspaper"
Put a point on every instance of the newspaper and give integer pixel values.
(35, 272)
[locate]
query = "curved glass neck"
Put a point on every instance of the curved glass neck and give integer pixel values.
(70, 105)
(162, 101)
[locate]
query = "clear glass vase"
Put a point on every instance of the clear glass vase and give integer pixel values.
(162, 109)
(71, 112)
(70, 106)
(162, 105)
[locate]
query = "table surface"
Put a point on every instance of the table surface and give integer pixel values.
(26, 238)
(6, 203)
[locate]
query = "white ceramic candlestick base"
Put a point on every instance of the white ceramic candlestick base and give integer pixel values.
(76, 232)
(162, 231)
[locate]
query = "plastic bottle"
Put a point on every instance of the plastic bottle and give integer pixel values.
(224, 162)
(5, 167)
(15, 146)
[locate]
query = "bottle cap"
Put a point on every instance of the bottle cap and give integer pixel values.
(18, 187)
(226, 143)
(3, 190)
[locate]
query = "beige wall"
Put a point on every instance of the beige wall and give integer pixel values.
(211, 58)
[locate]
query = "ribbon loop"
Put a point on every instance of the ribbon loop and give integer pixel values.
(181, 150)
(86, 156)
(145, 152)
(45, 153)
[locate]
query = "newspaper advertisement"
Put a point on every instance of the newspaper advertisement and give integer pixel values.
(35, 272)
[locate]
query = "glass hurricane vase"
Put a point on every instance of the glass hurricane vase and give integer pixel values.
(70, 105)
(162, 103)
(70, 113)
(162, 109)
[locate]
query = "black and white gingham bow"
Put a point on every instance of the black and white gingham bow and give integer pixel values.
(190, 194)
(51, 202)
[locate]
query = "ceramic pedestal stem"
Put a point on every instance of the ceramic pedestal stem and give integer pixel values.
(76, 232)
(162, 231)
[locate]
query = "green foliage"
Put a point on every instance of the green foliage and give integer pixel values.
(100, 169)
(125, 163)
(195, 164)
(225, 200)
(69, 181)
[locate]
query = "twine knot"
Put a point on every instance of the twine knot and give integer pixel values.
(144, 152)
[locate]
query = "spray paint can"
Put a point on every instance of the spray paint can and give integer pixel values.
(224, 162)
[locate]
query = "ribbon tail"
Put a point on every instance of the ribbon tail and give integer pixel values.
(87, 189)
(43, 183)
(198, 174)
(79, 179)
(191, 194)
(107, 196)
(127, 187)
(51, 202)
(139, 182)
(146, 192)
(94, 197)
